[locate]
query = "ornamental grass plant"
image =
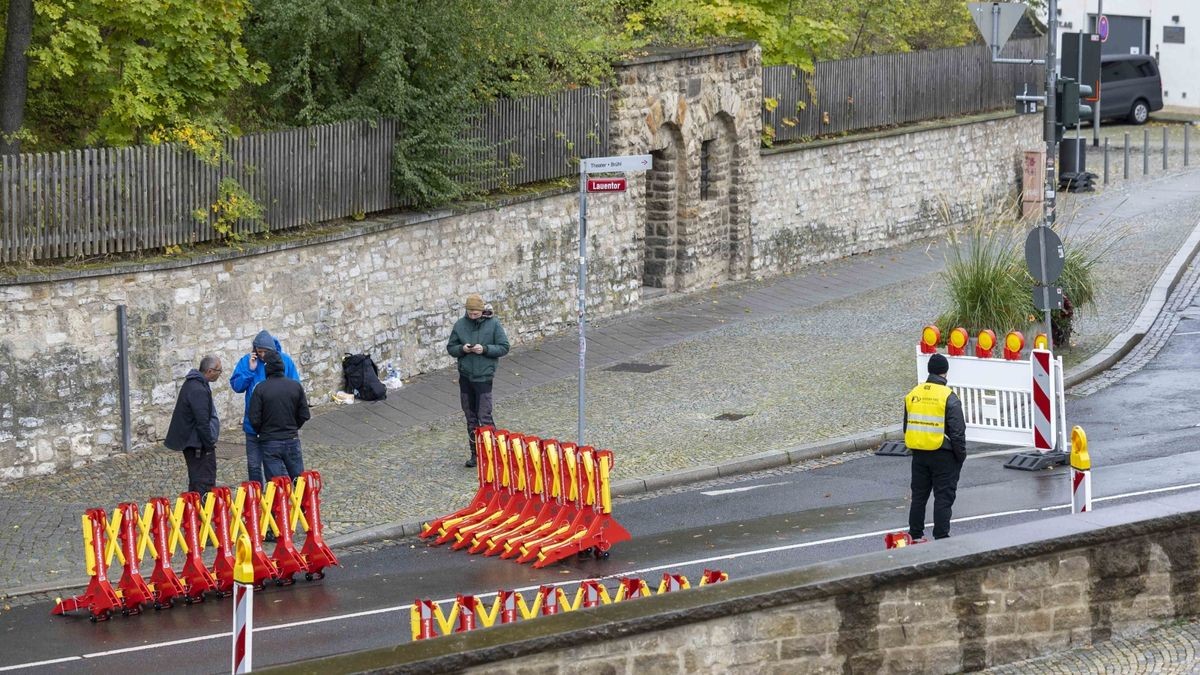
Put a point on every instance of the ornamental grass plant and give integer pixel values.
(989, 285)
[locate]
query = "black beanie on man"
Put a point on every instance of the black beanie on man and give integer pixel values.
(938, 365)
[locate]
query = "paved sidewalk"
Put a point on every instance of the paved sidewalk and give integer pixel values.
(1170, 649)
(814, 356)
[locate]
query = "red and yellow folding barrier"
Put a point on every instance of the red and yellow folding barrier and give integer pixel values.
(538, 501)
(191, 526)
(467, 612)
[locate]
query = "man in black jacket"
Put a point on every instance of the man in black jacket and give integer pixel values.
(278, 408)
(194, 425)
(936, 433)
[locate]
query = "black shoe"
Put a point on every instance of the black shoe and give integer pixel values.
(470, 463)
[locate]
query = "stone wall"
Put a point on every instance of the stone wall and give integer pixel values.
(697, 113)
(961, 604)
(713, 208)
(831, 199)
(393, 289)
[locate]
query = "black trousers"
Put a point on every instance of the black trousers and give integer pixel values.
(202, 470)
(476, 399)
(933, 471)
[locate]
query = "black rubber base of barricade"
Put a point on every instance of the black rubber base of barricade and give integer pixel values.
(893, 449)
(1036, 461)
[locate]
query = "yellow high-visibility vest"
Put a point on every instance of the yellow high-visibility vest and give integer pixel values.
(926, 409)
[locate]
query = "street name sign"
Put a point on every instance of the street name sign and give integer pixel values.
(606, 185)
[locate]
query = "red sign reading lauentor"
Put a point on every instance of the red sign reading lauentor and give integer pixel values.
(606, 185)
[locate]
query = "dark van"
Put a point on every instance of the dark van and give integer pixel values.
(1130, 87)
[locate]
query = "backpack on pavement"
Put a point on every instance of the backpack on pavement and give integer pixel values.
(362, 378)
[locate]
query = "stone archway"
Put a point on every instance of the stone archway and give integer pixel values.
(664, 187)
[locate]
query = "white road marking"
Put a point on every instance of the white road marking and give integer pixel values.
(624, 573)
(714, 493)
(1190, 332)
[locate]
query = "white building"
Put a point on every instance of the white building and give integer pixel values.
(1156, 27)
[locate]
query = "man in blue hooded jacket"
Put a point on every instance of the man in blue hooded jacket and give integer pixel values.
(250, 370)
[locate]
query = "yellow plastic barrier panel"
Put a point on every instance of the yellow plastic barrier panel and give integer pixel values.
(502, 454)
(297, 512)
(112, 529)
(570, 473)
(605, 458)
(208, 531)
(144, 540)
(550, 448)
(265, 518)
(587, 457)
(516, 450)
(89, 555)
(632, 588)
(489, 454)
(533, 451)
(177, 540)
(236, 526)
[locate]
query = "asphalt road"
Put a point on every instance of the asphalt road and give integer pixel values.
(1144, 432)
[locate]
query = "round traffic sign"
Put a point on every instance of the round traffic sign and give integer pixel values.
(1102, 28)
(1055, 256)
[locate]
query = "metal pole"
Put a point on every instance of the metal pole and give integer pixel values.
(1106, 161)
(1187, 142)
(582, 296)
(1051, 153)
(1126, 155)
(1099, 93)
(123, 377)
(1145, 151)
(1164, 148)
(1079, 120)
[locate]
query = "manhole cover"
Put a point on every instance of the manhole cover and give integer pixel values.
(730, 417)
(636, 367)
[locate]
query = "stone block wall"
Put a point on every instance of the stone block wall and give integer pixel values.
(832, 199)
(903, 613)
(393, 289)
(676, 106)
(713, 208)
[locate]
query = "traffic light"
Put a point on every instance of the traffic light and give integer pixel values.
(1068, 108)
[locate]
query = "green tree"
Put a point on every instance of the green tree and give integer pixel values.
(427, 63)
(112, 71)
(14, 73)
(801, 32)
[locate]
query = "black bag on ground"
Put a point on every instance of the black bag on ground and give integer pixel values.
(362, 377)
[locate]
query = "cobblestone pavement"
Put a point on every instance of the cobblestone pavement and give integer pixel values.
(1173, 649)
(815, 355)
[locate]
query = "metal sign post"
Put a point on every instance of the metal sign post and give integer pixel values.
(1102, 31)
(618, 164)
(1048, 209)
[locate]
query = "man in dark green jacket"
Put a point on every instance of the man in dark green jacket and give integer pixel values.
(477, 341)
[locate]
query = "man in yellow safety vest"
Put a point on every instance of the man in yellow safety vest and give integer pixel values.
(936, 433)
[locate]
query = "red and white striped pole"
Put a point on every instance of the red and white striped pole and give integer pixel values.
(1043, 400)
(1081, 472)
(243, 606)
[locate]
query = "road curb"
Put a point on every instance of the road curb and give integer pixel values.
(1116, 349)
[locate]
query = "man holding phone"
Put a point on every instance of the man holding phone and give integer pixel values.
(477, 341)
(246, 375)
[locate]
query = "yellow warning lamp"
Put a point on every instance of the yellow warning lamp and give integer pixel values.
(956, 345)
(1014, 342)
(1040, 342)
(985, 343)
(930, 337)
(1079, 451)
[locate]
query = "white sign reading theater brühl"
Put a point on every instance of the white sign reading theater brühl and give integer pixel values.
(621, 163)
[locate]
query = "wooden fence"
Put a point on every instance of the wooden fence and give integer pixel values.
(889, 89)
(101, 201)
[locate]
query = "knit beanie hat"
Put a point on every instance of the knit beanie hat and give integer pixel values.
(938, 365)
(264, 340)
(474, 303)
